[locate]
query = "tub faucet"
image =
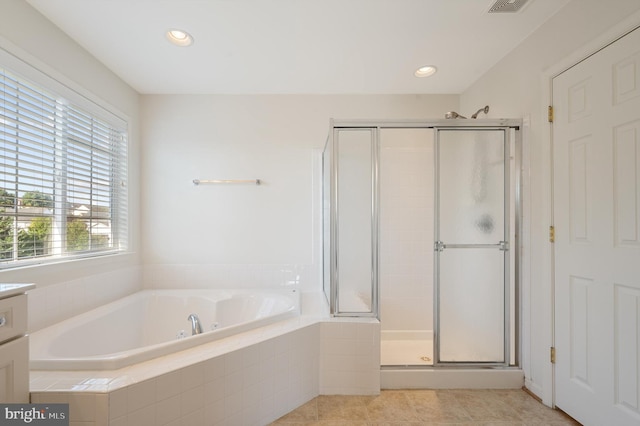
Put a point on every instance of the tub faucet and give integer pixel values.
(196, 328)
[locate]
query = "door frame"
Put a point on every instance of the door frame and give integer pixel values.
(548, 388)
(515, 125)
(507, 246)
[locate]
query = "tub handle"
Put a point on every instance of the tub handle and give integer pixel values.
(3, 321)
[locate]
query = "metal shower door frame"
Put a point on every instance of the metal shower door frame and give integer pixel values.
(503, 245)
(510, 126)
(334, 303)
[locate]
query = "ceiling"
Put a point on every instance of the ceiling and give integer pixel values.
(297, 46)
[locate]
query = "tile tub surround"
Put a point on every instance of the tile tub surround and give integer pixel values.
(13, 289)
(251, 378)
(253, 385)
(350, 357)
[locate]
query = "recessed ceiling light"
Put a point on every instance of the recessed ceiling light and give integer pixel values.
(179, 37)
(426, 71)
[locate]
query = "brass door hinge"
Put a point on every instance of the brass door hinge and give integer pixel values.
(552, 355)
(552, 234)
(550, 114)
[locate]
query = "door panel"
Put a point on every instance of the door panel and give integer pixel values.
(471, 180)
(626, 181)
(472, 246)
(355, 242)
(472, 305)
(597, 251)
(406, 230)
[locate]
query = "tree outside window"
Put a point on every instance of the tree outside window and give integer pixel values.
(7, 202)
(63, 175)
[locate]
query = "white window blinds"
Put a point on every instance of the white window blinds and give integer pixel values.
(62, 177)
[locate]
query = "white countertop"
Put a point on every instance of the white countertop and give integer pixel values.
(11, 289)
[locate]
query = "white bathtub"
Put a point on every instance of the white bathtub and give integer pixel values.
(152, 323)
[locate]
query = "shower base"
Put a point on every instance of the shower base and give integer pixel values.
(401, 348)
(404, 365)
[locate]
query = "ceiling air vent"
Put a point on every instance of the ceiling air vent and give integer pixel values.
(507, 6)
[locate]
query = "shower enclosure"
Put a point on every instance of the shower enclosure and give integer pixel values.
(420, 231)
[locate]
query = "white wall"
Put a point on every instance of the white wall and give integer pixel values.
(201, 236)
(68, 288)
(518, 87)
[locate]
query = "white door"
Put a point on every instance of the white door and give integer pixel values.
(596, 138)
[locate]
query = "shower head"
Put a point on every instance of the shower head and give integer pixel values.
(485, 110)
(453, 114)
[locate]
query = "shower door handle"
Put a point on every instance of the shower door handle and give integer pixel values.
(440, 246)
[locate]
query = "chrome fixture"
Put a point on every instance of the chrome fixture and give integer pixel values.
(196, 328)
(485, 110)
(205, 181)
(507, 6)
(453, 114)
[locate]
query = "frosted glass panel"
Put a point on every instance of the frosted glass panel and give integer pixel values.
(355, 249)
(471, 266)
(471, 305)
(471, 186)
(326, 219)
(405, 274)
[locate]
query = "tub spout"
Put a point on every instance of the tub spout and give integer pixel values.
(196, 328)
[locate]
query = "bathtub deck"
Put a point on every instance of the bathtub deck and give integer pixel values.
(250, 378)
(110, 380)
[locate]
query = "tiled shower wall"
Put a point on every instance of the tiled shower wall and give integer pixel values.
(350, 357)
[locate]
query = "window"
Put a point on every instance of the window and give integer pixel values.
(62, 176)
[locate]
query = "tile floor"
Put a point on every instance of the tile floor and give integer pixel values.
(427, 407)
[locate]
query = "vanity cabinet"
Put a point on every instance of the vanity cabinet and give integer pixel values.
(14, 343)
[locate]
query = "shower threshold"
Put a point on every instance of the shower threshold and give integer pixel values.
(429, 377)
(402, 366)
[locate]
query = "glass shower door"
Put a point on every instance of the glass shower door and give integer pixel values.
(471, 246)
(354, 230)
